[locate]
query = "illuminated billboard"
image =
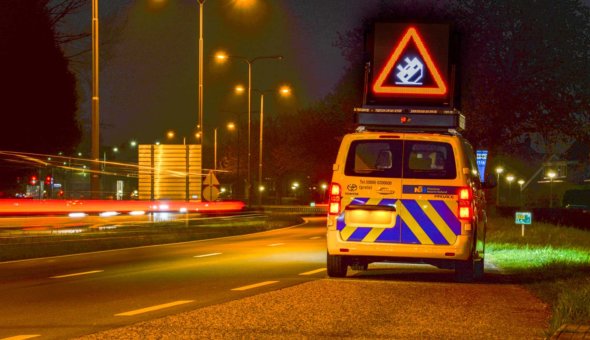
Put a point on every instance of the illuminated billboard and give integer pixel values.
(409, 65)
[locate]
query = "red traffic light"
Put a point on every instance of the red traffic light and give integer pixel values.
(48, 180)
(33, 180)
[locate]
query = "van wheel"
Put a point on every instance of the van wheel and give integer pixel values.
(337, 266)
(478, 269)
(465, 270)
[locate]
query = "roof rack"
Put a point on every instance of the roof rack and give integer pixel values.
(408, 120)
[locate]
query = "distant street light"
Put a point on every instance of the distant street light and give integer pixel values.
(509, 179)
(551, 174)
(499, 170)
(222, 57)
(284, 91)
(520, 183)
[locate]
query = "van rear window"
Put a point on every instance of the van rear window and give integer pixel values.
(400, 159)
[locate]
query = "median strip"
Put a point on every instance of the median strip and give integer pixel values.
(22, 337)
(154, 308)
(207, 255)
(256, 285)
(311, 272)
(76, 274)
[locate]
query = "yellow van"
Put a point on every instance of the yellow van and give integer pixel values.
(406, 197)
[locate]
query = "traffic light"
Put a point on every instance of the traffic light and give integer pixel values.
(33, 180)
(48, 180)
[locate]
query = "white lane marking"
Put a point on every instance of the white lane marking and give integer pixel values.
(76, 274)
(154, 308)
(256, 285)
(207, 255)
(315, 238)
(22, 337)
(275, 244)
(311, 272)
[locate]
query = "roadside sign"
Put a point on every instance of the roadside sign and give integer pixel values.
(523, 217)
(210, 187)
(481, 157)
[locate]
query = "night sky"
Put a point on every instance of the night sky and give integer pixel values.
(149, 60)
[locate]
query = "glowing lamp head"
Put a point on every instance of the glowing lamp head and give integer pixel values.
(221, 56)
(499, 170)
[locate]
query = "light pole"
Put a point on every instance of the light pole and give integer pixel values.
(551, 174)
(221, 57)
(95, 141)
(283, 91)
(499, 170)
(509, 179)
(520, 183)
(200, 99)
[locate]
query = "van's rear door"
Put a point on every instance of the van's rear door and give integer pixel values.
(371, 190)
(428, 207)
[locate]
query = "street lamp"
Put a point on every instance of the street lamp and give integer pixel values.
(200, 99)
(284, 91)
(551, 174)
(499, 170)
(95, 141)
(222, 57)
(520, 183)
(509, 179)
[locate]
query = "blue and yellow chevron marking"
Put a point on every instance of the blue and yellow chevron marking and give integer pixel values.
(417, 222)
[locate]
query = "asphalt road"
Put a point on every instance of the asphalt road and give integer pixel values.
(68, 296)
(265, 285)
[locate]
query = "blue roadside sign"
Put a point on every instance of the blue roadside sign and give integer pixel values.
(482, 158)
(523, 217)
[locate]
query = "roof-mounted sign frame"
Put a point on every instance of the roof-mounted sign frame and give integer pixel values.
(410, 65)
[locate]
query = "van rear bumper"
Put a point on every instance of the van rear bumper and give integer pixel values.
(461, 250)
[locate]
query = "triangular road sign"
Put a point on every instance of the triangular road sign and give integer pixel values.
(210, 179)
(411, 72)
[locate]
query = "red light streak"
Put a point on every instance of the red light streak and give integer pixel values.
(58, 207)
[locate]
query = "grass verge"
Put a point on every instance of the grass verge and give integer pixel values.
(552, 261)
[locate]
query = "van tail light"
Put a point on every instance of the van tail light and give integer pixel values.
(465, 204)
(335, 199)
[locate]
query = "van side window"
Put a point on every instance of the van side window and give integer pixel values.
(374, 158)
(429, 160)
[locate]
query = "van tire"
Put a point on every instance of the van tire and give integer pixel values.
(478, 269)
(337, 266)
(465, 270)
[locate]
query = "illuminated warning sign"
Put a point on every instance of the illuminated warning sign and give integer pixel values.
(410, 65)
(409, 69)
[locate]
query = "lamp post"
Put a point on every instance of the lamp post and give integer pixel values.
(551, 174)
(200, 95)
(95, 141)
(283, 91)
(520, 183)
(509, 179)
(221, 57)
(499, 170)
